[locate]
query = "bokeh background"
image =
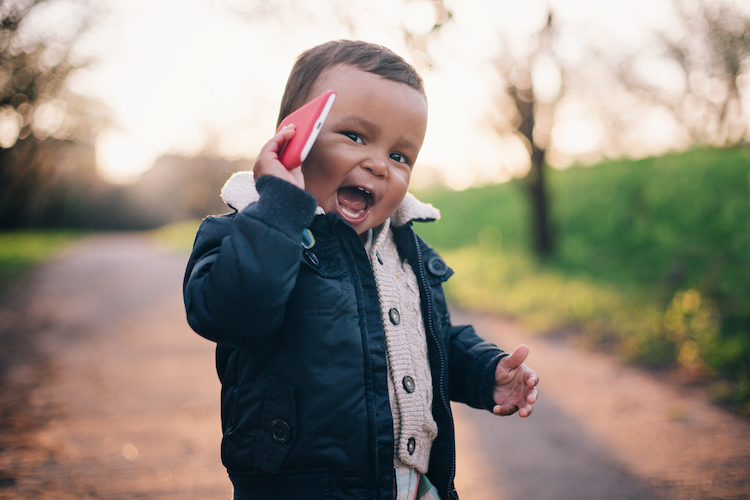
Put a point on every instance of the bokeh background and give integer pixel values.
(590, 158)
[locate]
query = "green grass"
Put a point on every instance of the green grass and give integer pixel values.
(21, 251)
(178, 236)
(653, 259)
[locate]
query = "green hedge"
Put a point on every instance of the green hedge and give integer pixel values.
(653, 259)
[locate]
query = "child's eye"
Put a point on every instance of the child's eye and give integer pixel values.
(354, 136)
(399, 158)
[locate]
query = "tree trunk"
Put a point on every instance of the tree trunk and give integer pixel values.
(543, 238)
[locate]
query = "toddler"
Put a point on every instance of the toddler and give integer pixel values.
(335, 350)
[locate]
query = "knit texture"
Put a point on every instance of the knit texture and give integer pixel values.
(406, 345)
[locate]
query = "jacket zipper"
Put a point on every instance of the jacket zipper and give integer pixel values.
(350, 251)
(431, 327)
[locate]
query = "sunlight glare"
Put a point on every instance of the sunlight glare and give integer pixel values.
(10, 126)
(121, 156)
(419, 17)
(48, 117)
(580, 132)
(546, 78)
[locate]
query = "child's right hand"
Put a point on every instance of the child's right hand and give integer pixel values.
(268, 160)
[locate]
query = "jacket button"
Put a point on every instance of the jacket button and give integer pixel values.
(411, 445)
(395, 316)
(280, 431)
(409, 384)
(437, 266)
(308, 240)
(312, 258)
(380, 259)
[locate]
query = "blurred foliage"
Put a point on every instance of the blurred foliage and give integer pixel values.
(177, 236)
(654, 259)
(180, 188)
(47, 162)
(176, 188)
(20, 251)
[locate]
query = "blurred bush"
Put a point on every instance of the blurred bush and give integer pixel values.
(176, 188)
(177, 236)
(654, 259)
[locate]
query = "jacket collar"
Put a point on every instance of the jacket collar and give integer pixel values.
(239, 191)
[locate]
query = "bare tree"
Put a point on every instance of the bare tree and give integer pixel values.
(518, 111)
(710, 46)
(529, 117)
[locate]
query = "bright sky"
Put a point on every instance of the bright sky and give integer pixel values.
(181, 76)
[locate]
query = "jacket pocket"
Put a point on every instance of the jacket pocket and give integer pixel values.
(313, 485)
(278, 426)
(321, 285)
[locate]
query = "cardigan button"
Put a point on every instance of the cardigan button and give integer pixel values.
(395, 316)
(409, 384)
(380, 259)
(437, 266)
(280, 431)
(411, 445)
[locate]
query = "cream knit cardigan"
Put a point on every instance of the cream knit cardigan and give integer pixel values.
(409, 377)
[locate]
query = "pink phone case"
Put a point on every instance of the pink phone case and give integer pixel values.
(308, 121)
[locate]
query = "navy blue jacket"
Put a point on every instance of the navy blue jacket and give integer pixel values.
(301, 351)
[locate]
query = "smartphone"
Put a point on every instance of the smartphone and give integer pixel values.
(308, 121)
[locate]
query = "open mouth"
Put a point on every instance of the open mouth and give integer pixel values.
(353, 203)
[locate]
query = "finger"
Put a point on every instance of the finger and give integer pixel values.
(532, 397)
(279, 138)
(525, 411)
(517, 358)
(504, 410)
(283, 135)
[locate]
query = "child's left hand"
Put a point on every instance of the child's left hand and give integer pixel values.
(515, 385)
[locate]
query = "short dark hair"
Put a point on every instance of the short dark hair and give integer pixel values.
(364, 55)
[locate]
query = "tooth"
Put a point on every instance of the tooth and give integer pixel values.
(351, 213)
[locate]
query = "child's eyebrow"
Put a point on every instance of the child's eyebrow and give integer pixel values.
(359, 120)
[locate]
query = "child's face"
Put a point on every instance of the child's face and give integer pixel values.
(361, 163)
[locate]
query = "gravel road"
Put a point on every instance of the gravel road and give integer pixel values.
(105, 393)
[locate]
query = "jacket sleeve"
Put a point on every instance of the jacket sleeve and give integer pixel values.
(472, 362)
(243, 267)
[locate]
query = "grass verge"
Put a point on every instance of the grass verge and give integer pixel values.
(21, 251)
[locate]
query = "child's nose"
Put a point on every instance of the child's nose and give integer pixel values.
(376, 165)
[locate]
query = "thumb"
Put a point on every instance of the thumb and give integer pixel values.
(517, 358)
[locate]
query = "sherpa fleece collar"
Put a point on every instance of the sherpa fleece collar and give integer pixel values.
(239, 191)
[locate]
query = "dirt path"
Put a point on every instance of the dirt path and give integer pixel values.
(603, 430)
(128, 407)
(107, 394)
